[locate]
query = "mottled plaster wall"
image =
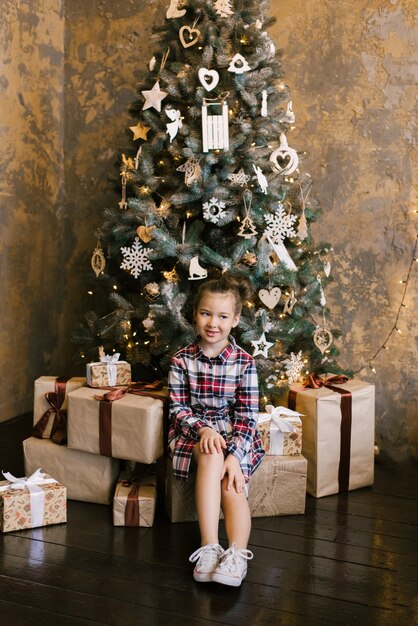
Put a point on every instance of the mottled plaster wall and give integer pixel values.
(31, 196)
(351, 66)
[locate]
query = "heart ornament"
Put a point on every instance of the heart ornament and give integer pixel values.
(270, 298)
(193, 35)
(285, 160)
(145, 233)
(208, 78)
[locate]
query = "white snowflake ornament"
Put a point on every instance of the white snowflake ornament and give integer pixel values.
(280, 224)
(294, 366)
(136, 258)
(213, 210)
(239, 178)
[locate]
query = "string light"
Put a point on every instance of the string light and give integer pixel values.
(395, 328)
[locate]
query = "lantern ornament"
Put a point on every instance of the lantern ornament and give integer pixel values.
(285, 160)
(215, 126)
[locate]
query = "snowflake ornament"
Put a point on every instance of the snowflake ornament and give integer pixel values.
(294, 366)
(240, 178)
(136, 258)
(213, 210)
(280, 225)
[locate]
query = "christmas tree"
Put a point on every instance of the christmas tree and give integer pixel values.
(212, 185)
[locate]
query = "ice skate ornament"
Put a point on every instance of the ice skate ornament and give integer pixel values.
(173, 11)
(285, 160)
(282, 254)
(261, 178)
(322, 298)
(123, 204)
(290, 303)
(213, 210)
(196, 272)
(223, 8)
(264, 109)
(174, 126)
(262, 346)
(209, 79)
(192, 171)
(270, 298)
(289, 116)
(215, 128)
(239, 64)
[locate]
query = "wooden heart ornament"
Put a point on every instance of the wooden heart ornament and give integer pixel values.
(189, 36)
(270, 298)
(145, 233)
(208, 78)
(285, 160)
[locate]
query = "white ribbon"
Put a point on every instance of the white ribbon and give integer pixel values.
(36, 493)
(280, 426)
(111, 367)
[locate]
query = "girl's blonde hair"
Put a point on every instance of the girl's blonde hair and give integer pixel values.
(240, 288)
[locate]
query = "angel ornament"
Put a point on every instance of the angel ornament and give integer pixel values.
(176, 123)
(173, 10)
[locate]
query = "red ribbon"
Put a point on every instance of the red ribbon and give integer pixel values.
(316, 382)
(59, 426)
(105, 409)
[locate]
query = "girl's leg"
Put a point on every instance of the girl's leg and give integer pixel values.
(208, 493)
(237, 516)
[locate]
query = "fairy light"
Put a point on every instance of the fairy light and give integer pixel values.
(90, 293)
(115, 287)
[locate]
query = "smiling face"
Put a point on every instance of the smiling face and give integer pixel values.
(215, 316)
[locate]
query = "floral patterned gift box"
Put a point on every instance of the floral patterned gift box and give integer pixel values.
(108, 372)
(38, 500)
(280, 430)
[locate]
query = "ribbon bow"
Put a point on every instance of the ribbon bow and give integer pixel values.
(112, 372)
(37, 495)
(283, 424)
(55, 400)
(315, 381)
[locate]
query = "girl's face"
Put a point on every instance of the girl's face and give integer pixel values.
(215, 316)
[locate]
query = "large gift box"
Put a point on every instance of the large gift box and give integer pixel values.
(338, 433)
(29, 502)
(108, 372)
(135, 498)
(50, 406)
(277, 487)
(129, 428)
(87, 477)
(280, 431)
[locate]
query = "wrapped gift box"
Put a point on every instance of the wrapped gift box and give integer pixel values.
(108, 373)
(51, 398)
(87, 477)
(38, 500)
(135, 498)
(337, 442)
(277, 487)
(280, 431)
(130, 428)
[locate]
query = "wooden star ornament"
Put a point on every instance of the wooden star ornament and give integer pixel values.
(154, 97)
(140, 131)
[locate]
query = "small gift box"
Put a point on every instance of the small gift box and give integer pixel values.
(87, 477)
(338, 432)
(129, 427)
(109, 372)
(38, 500)
(280, 430)
(50, 406)
(135, 498)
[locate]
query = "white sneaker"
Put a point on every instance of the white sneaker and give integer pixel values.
(207, 558)
(232, 568)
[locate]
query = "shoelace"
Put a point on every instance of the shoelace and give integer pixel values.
(208, 554)
(229, 557)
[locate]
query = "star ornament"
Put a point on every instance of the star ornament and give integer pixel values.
(262, 346)
(240, 178)
(154, 97)
(140, 131)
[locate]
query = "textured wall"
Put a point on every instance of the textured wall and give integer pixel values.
(351, 66)
(31, 195)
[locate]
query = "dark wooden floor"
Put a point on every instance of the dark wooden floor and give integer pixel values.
(351, 559)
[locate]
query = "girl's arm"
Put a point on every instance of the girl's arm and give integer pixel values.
(181, 414)
(245, 413)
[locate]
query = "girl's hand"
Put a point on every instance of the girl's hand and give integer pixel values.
(232, 469)
(210, 441)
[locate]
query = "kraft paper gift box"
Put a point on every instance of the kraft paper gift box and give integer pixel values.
(108, 372)
(37, 500)
(280, 431)
(50, 406)
(87, 477)
(130, 428)
(135, 499)
(338, 434)
(277, 487)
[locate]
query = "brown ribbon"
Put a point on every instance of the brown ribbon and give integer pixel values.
(105, 409)
(132, 501)
(59, 426)
(315, 382)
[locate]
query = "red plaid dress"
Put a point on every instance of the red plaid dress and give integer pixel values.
(220, 392)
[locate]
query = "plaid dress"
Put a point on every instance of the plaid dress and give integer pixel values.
(220, 392)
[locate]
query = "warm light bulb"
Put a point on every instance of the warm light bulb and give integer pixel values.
(90, 293)
(115, 286)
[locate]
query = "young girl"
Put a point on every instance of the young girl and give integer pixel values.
(213, 423)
